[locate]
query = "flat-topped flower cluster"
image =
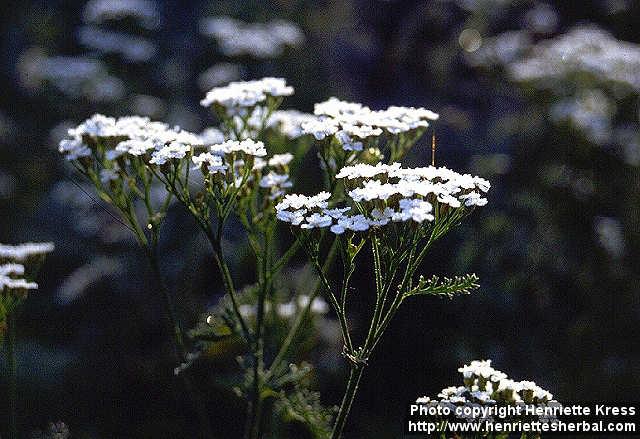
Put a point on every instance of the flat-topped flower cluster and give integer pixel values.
(352, 124)
(128, 135)
(486, 386)
(237, 97)
(380, 194)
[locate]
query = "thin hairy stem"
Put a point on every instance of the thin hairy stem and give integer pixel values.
(297, 324)
(12, 420)
(353, 382)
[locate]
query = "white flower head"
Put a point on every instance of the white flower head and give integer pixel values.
(214, 163)
(136, 147)
(172, 151)
(238, 95)
(248, 146)
(22, 252)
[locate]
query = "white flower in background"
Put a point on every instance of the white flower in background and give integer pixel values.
(289, 122)
(275, 180)
(289, 309)
(584, 49)
(501, 49)
(211, 136)
(146, 12)
(280, 159)
(318, 305)
(132, 48)
(241, 95)
(74, 76)
(259, 40)
(22, 252)
(218, 74)
(610, 235)
(590, 111)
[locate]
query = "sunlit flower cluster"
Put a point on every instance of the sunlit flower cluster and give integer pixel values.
(238, 96)
(380, 194)
(485, 386)
(258, 40)
(132, 135)
(352, 123)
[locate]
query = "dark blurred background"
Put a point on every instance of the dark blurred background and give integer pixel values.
(556, 133)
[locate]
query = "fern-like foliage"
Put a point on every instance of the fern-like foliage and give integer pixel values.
(445, 287)
(304, 415)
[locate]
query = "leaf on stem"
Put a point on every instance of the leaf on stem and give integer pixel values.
(446, 287)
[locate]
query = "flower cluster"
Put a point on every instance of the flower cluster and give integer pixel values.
(237, 97)
(382, 194)
(25, 252)
(71, 75)
(584, 49)
(9, 278)
(352, 123)
(132, 48)
(144, 11)
(231, 158)
(290, 122)
(259, 40)
(129, 135)
(486, 386)
(18, 264)
(289, 309)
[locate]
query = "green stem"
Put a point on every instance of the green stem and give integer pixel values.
(258, 364)
(297, 324)
(13, 386)
(227, 280)
(350, 393)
